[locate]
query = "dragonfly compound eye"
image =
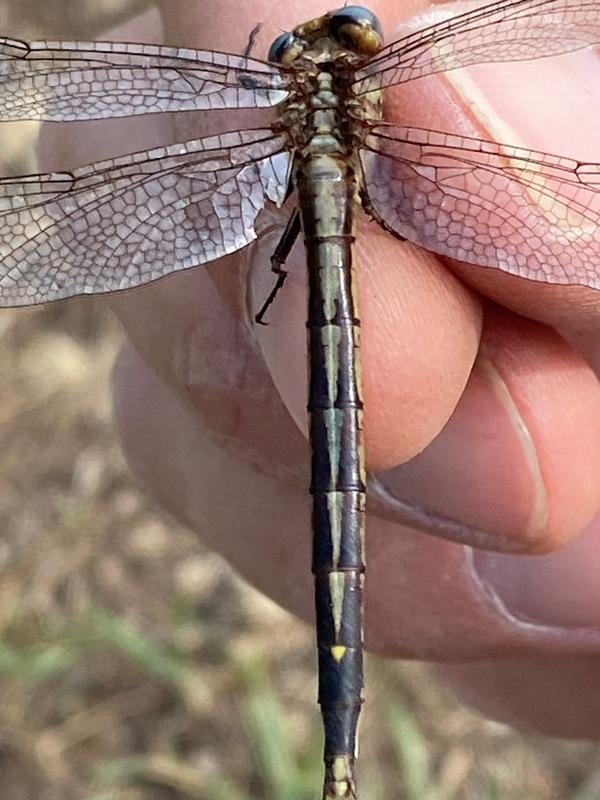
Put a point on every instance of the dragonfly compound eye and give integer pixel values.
(357, 28)
(286, 47)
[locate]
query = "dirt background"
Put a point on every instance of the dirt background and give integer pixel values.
(134, 665)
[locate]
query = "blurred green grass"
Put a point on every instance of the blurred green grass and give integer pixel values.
(97, 669)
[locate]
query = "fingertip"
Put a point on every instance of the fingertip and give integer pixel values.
(421, 330)
(558, 397)
(419, 336)
(516, 467)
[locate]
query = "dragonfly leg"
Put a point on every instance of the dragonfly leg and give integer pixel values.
(252, 40)
(375, 216)
(278, 259)
(248, 81)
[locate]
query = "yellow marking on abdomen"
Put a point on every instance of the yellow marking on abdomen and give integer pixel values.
(338, 651)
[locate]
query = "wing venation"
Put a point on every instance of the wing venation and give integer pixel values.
(70, 81)
(497, 32)
(528, 213)
(124, 222)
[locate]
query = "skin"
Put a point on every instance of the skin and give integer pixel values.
(204, 401)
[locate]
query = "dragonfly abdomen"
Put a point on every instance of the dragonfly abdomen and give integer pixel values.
(326, 187)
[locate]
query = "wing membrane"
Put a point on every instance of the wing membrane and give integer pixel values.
(127, 221)
(98, 80)
(531, 214)
(502, 31)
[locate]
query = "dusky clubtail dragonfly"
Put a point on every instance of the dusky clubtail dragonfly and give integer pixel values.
(123, 222)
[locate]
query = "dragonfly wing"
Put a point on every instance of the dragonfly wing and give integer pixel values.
(502, 31)
(531, 214)
(127, 221)
(99, 80)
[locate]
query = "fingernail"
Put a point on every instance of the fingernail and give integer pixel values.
(479, 481)
(560, 589)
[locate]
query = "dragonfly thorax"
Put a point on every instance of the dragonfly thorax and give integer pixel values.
(322, 113)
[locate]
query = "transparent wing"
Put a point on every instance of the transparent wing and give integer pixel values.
(97, 80)
(531, 214)
(127, 221)
(502, 31)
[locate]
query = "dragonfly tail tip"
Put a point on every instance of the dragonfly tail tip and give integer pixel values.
(339, 778)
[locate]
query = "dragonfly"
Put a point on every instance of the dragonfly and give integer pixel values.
(123, 222)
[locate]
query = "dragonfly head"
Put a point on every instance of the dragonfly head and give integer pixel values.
(356, 28)
(353, 28)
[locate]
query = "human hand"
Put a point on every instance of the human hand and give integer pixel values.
(206, 405)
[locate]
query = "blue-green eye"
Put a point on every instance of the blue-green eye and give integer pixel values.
(282, 46)
(358, 28)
